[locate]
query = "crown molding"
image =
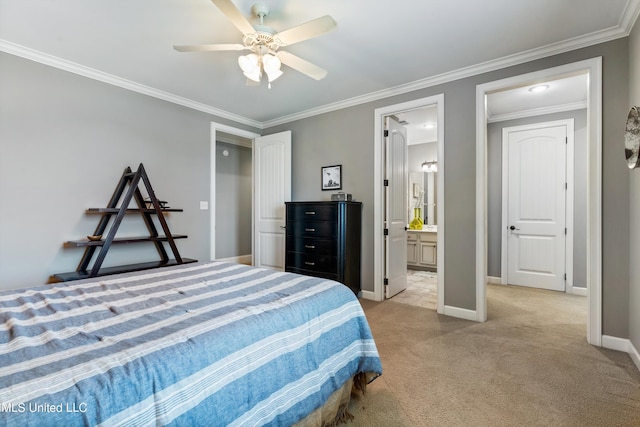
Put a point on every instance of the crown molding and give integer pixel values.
(72, 67)
(628, 19)
(485, 67)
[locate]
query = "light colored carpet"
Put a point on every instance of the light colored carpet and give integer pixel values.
(528, 365)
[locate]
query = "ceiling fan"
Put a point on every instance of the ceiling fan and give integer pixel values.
(264, 43)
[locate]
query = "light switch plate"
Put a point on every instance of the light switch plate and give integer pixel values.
(204, 205)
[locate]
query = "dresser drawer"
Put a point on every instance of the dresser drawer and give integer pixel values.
(311, 212)
(310, 245)
(325, 229)
(312, 262)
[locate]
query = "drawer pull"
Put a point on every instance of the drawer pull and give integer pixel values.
(310, 213)
(309, 229)
(310, 263)
(310, 246)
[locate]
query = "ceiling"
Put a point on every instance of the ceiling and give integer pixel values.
(377, 50)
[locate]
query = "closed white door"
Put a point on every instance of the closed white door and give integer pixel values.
(536, 202)
(271, 188)
(396, 207)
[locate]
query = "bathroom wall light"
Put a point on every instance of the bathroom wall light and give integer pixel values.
(430, 166)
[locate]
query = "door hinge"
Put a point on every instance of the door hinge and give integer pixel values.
(565, 277)
(565, 230)
(386, 281)
(386, 232)
(566, 139)
(386, 133)
(566, 186)
(386, 182)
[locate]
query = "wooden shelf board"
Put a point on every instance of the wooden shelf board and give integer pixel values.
(77, 275)
(133, 210)
(120, 240)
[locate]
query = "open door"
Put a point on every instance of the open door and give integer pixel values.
(271, 188)
(396, 195)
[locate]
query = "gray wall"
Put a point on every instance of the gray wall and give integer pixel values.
(233, 200)
(64, 142)
(346, 137)
(65, 139)
(494, 184)
(634, 194)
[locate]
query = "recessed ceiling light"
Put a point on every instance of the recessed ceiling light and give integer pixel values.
(538, 88)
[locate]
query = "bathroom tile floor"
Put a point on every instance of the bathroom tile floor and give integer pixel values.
(421, 290)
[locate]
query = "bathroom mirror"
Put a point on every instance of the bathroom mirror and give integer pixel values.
(423, 196)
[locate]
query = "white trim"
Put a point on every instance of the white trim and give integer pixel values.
(537, 112)
(215, 127)
(634, 354)
(615, 343)
(242, 259)
(624, 345)
(461, 313)
(575, 290)
(569, 195)
(494, 280)
(594, 200)
(623, 29)
(370, 295)
(378, 195)
(81, 70)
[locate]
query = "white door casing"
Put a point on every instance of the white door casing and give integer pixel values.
(534, 205)
(216, 128)
(396, 207)
(271, 188)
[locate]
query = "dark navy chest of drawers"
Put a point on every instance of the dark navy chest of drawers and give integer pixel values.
(324, 239)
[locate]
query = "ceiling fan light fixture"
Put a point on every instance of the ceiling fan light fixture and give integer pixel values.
(250, 66)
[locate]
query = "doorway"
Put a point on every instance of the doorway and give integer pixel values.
(593, 68)
(222, 135)
(271, 180)
(380, 254)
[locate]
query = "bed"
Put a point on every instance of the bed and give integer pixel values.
(214, 344)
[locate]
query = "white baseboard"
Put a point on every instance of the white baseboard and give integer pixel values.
(577, 291)
(635, 356)
(242, 259)
(624, 345)
(615, 343)
(461, 313)
(368, 295)
(494, 280)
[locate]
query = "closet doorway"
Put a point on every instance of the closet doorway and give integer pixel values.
(233, 201)
(231, 192)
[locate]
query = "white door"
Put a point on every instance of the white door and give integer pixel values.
(396, 207)
(271, 188)
(535, 226)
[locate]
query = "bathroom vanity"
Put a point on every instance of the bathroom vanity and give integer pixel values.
(421, 248)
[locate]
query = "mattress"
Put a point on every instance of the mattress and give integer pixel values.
(214, 344)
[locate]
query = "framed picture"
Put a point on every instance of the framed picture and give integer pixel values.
(332, 177)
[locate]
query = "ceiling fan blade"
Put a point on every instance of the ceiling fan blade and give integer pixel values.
(308, 30)
(299, 64)
(235, 16)
(209, 47)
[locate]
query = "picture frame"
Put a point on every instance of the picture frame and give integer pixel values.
(331, 177)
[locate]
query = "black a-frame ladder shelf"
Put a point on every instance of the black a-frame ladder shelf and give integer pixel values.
(127, 189)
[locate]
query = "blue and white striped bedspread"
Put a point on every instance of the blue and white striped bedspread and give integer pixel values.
(213, 344)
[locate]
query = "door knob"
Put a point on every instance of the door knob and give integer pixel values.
(513, 227)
